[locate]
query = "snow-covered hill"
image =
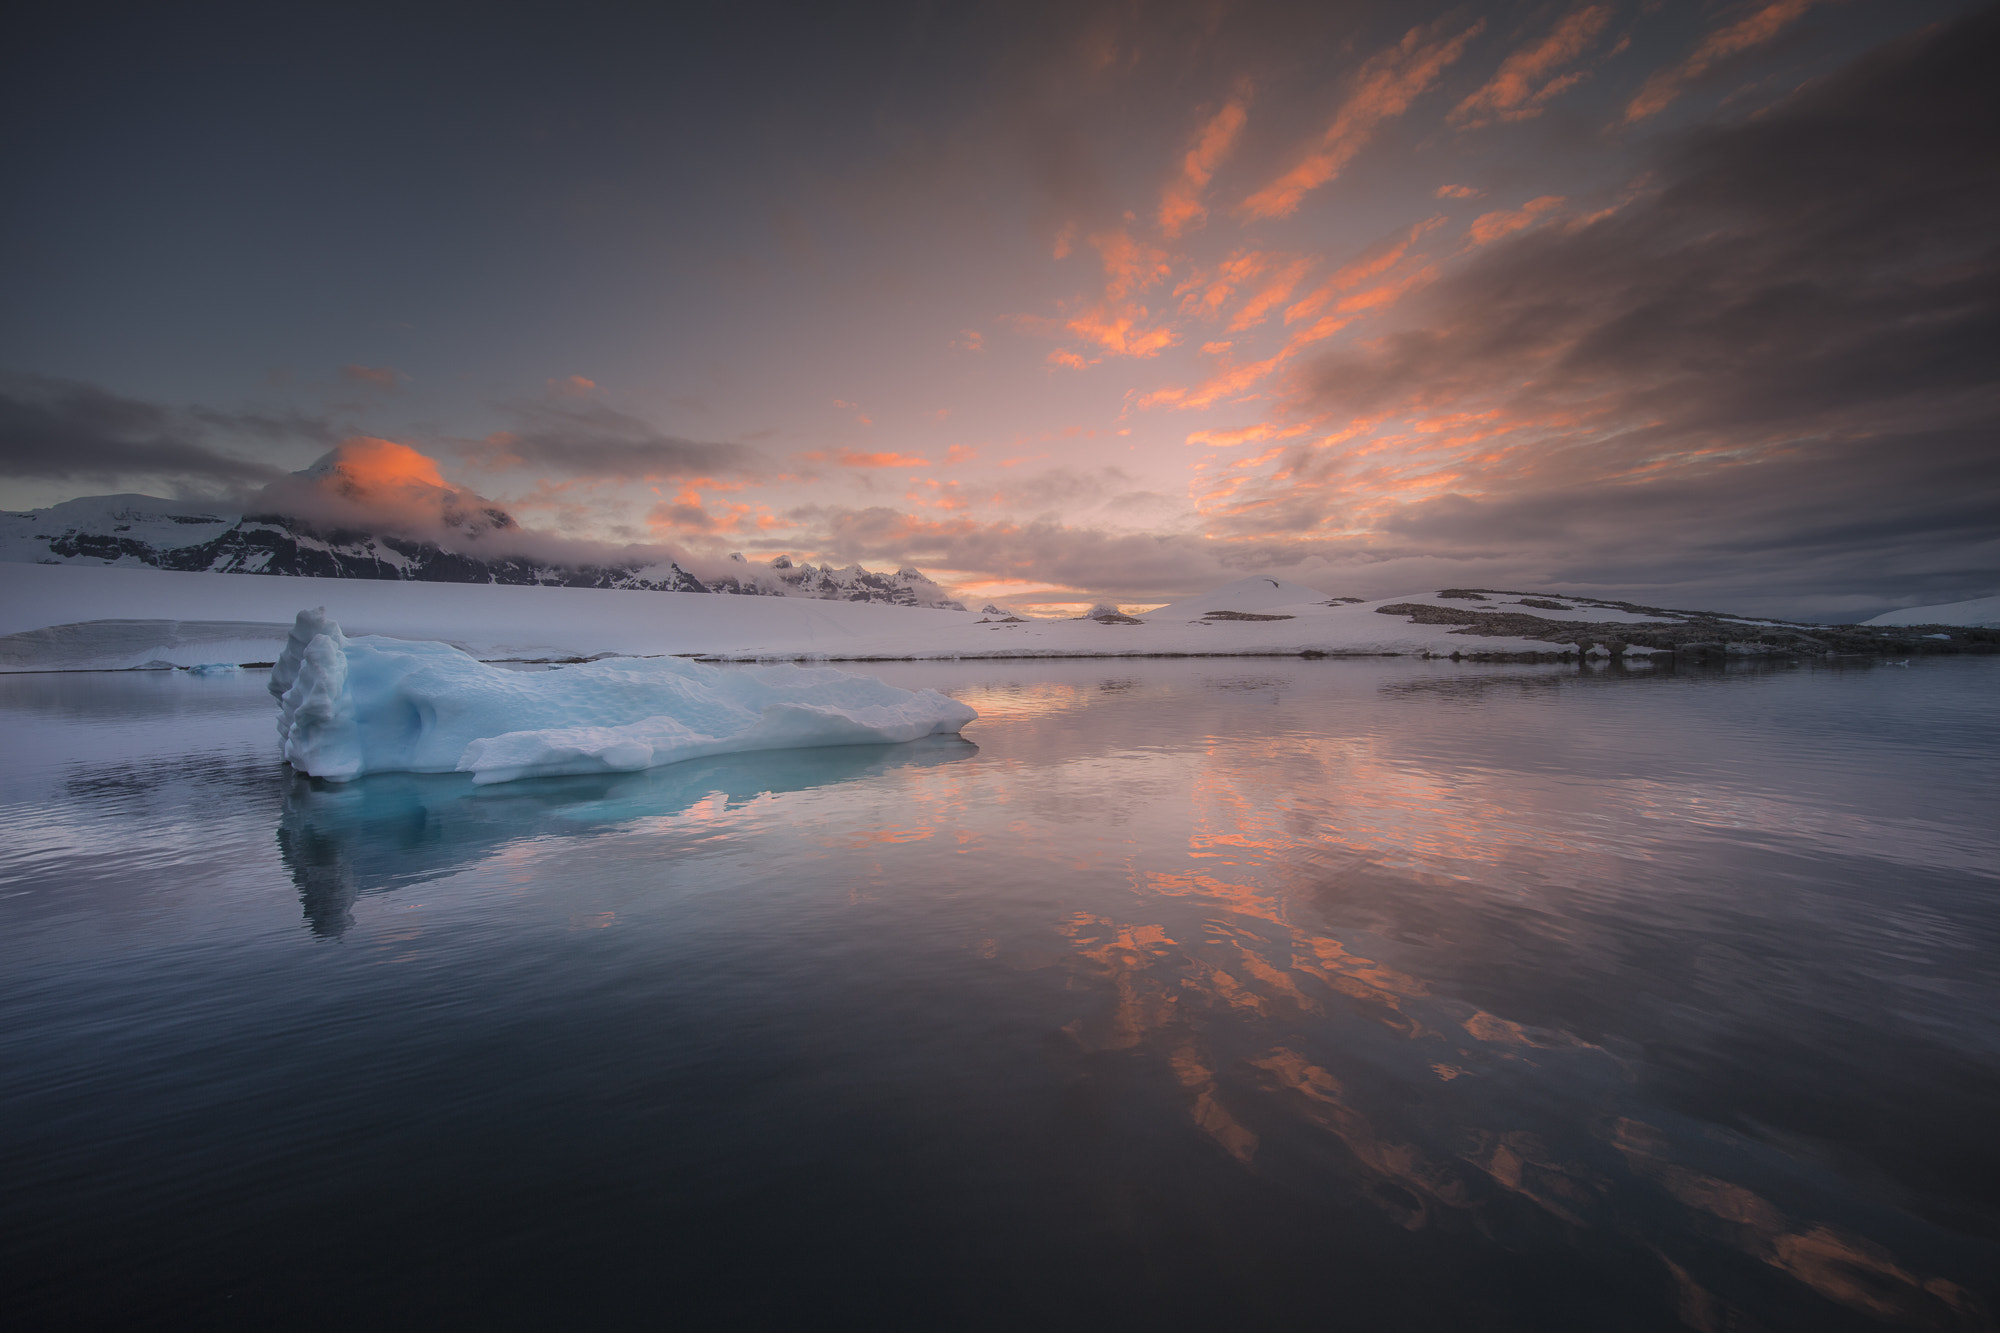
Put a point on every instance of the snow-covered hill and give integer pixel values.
(1980, 612)
(142, 531)
(55, 618)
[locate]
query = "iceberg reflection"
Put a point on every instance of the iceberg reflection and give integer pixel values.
(340, 841)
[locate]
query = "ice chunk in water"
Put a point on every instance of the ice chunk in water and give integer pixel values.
(364, 705)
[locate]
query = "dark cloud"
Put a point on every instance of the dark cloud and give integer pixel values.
(65, 430)
(590, 439)
(1788, 349)
(1063, 487)
(1818, 531)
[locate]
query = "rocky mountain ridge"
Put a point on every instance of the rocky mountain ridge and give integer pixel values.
(142, 530)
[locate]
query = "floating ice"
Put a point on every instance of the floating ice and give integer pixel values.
(364, 705)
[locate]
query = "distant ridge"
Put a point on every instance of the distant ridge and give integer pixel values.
(143, 530)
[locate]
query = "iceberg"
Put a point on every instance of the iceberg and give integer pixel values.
(352, 706)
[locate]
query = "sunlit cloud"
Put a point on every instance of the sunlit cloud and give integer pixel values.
(1528, 77)
(1181, 206)
(856, 459)
(571, 386)
(1489, 227)
(1385, 87)
(1374, 262)
(1732, 39)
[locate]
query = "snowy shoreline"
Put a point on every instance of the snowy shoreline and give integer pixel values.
(84, 618)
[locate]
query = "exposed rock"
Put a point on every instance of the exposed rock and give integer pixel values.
(1695, 635)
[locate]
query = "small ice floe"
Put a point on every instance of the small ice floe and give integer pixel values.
(214, 669)
(352, 706)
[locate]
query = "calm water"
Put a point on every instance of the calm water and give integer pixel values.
(1255, 994)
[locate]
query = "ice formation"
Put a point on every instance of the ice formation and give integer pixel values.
(364, 705)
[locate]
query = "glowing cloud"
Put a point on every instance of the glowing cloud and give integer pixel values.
(1384, 89)
(1181, 207)
(1754, 30)
(1492, 226)
(1523, 82)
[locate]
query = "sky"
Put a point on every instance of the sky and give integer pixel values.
(1691, 303)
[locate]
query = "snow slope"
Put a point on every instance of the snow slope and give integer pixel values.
(1979, 613)
(368, 705)
(1251, 594)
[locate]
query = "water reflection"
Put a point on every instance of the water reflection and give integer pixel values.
(341, 841)
(1439, 997)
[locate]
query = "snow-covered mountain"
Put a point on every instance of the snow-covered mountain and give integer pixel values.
(782, 578)
(142, 530)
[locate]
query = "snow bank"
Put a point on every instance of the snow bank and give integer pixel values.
(1979, 613)
(369, 704)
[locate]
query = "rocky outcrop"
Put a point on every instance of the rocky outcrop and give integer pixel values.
(1689, 635)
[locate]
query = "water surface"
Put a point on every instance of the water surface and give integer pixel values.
(1261, 993)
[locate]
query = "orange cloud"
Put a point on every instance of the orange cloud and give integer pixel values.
(1273, 293)
(1224, 439)
(1064, 357)
(1753, 30)
(1513, 92)
(369, 468)
(850, 458)
(1372, 263)
(1129, 265)
(1181, 206)
(1230, 383)
(1385, 87)
(375, 377)
(945, 495)
(1122, 335)
(572, 386)
(1492, 226)
(961, 453)
(1117, 323)
(1458, 192)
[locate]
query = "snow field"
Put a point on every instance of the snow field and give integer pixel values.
(494, 622)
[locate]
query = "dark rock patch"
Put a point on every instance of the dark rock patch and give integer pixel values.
(1700, 636)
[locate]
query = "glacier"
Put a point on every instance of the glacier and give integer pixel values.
(352, 706)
